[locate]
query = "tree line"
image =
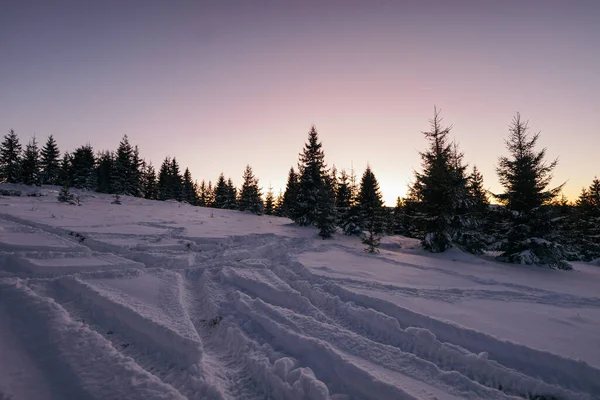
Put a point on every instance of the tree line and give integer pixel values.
(445, 206)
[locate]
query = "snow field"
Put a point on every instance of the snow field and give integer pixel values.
(166, 301)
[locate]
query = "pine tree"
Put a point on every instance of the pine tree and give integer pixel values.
(278, 208)
(203, 199)
(343, 197)
(66, 170)
(176, 180)
(250, 194)
(270, 202)
(123, 167)
(65, 195)
(290, 197)
(525, 177)
(149, 183)
(350, 221)
(30, 166)
(49, 162)
(326, 216)
(83, 165)
(333, 178)
(210, 195)
(221, 192)
(312, 181)
(10, 158)
(231, 196)
(136, 173)
(370, 206)
(440, 188)
(476, 190)
(189, 191)
(399, 224)
(104, 171)
(165, 186)
(584, 226)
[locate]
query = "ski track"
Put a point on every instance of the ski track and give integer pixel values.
(174, 317)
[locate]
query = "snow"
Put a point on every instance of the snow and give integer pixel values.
(161, 300)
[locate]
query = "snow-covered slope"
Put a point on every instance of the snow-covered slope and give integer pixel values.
(160, 300)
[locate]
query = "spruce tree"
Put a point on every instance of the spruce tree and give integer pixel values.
(136, 173)
(584, 227)
(210, 195)
(83, 165)
(250, 194)
(66, 170)
(312, 181)
(176, 180)
(343, 198)
(270, 202)
(326, 216)
(370, 206)
(221, 192)
(123, 167)
(476, 190)
(49, 162)
(104, 171)
(10, 158)
(350, 222)
(203, 197)
(189, 191)
(231, 196)
(290, 197)
(30, 166)
(278, 207)
(440, 188)
(165, 186)
(526, 176)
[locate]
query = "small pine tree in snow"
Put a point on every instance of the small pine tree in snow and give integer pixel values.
(221, 192)
(65, 195)
(188, 189)
(231, 196)
(123, 167)
(250, 196)
(104, 171)
(326, 215)
(270, 202)
(350, 221)
(30, 167)
(202, 195)
(10, 158)
(83, 164)
(165, 185)
(278, 207)
(66, 170)
(311, 182)
(343, 197)
(525, 177)
(176, 180)
(370, 207)
(290, 196)
(150, 185)
(49, 162)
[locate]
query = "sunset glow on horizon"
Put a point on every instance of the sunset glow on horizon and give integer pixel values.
(222, 84)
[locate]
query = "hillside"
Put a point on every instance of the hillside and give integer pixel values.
(162, 300)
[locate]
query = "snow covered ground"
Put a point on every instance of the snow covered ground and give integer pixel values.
(161, 300)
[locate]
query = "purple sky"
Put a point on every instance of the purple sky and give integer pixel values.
(221, 84)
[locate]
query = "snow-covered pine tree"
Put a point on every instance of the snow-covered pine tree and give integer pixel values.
(210, 195)
(585, 223)
(350, 222)
(65, 195)
(311, 182)
(370, 206)
(176, 180)
(104, 171)
(525, 176)
(136, 173)
(326, 216)
(49, 162)
(290, 196)
(66, 169)
(231, 196)
(202, 195)
(250, 194)
(30, 165)
(221, 194)
(278, 208)
(440, 188)
(333, 178)
(188, 190)
(477, 191)
(165, 185)
(150, 185)
(270, 202)
(83, 164)
(10, 158)
(123, 167)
